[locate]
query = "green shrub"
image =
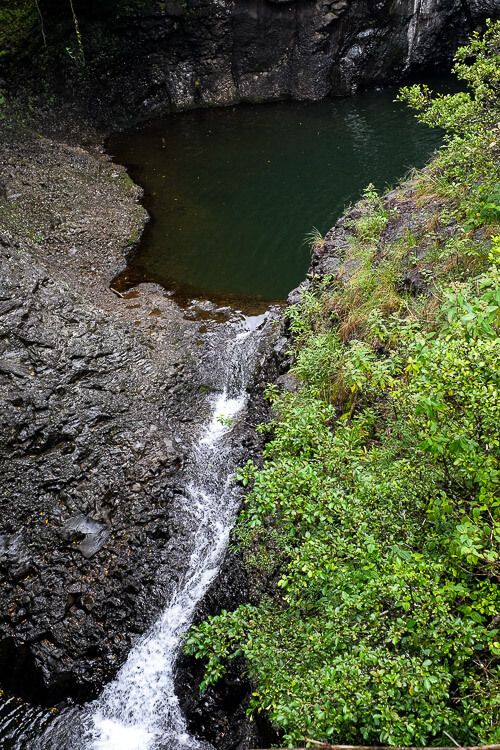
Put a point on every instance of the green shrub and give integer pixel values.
(468, 166)
(17, 21)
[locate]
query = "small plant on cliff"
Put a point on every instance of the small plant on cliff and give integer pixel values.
(468, 167)
(371, 224)
(314, 240)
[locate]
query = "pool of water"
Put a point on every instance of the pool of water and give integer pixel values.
(233, 192)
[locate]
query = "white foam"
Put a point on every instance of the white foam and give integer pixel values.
(115, 736)
(225, 411)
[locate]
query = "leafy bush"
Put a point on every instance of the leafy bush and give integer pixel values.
(468, 167)
(388, 548)
(17, 21)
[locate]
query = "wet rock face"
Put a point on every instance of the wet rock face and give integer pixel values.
(175, 55)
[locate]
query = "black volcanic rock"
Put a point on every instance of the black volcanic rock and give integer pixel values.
(168, 56)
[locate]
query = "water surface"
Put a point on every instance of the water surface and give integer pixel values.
(233, 192)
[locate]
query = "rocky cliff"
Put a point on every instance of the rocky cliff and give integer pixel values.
(151, 57)
(102, 397)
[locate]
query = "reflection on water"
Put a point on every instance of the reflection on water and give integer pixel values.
(233, 192)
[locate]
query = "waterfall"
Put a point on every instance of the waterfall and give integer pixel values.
(412, 32)
(139, 709)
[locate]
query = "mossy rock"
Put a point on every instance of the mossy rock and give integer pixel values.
(18, 19)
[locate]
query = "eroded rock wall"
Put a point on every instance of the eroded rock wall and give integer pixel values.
(161, 56)
(101, 398)
(176, 55)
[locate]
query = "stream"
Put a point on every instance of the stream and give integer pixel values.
(139, 710)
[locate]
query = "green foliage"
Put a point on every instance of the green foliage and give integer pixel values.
(370, 226)
(468, 167)
(316, 361)
(375, 512)
(314, 239)
(17, 21)
(27, 26)
(303, 319)
(225, 420)
(388, 541)
(488, 205)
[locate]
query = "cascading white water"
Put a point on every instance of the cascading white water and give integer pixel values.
(412, 32)
(139, 710)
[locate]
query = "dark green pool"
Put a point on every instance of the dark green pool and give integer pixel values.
(233, 192)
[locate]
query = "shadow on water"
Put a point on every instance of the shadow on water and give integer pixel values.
(233, 192)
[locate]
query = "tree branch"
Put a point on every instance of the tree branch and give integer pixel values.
(42, 27)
